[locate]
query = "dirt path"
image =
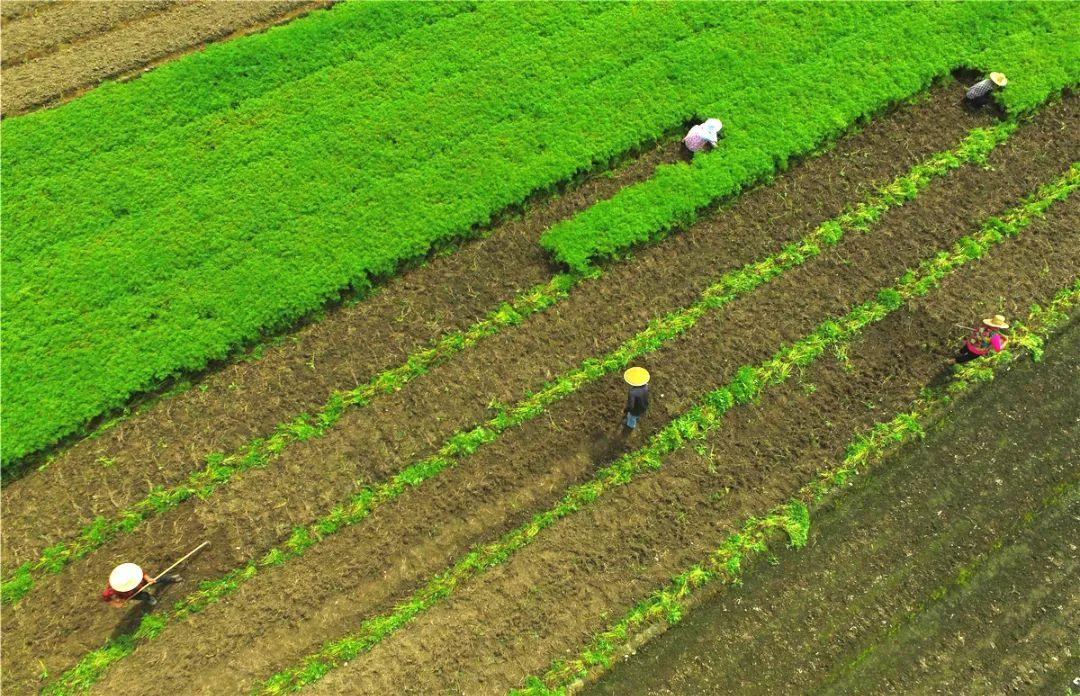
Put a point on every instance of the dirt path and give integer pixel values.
(127, 48)
(247, 399)
(592, 567)
(919, 579)
(369, 566)
(319, 473)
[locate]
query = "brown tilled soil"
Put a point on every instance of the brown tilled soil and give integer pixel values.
(950, 569)
(529, 468)
(245, 400)
(61, 64)
(47, 31)
(373, 442)
(592, 567)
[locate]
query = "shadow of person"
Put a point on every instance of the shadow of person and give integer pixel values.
(131, 619)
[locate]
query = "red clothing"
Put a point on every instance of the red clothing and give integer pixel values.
(111, 595)
(983, 340)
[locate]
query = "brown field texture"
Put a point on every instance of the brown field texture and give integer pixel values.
(55, 51)
(549, 598)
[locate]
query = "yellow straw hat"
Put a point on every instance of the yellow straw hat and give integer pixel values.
(125, 577)
(997, 321)
(636, 376)
(999, 79)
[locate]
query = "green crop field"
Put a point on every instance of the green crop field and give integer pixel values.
(351, 287)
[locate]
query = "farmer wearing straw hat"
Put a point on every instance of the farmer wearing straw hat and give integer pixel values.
(638, 401)
(703, 135)
(984, 339)
(128, 581)
(979, 94)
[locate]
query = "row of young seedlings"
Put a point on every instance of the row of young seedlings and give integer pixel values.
(667, 605)
(749, 383)
(220, 468)
(972, 149)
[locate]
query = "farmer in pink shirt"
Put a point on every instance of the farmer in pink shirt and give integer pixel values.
(984, 339)
(703, 135)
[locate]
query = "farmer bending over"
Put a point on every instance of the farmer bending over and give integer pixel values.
(703, 135)
(128, 581)
(984, 339)
(979, 94)
(638, 400)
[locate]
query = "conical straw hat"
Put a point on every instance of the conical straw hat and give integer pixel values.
(999, 79)
(997, 321)
(636, 376)
(125, 577)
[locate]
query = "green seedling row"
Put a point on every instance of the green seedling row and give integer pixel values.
(667, 605)
(257, 217)
(221, 468)
(974, 148)
(749, 383)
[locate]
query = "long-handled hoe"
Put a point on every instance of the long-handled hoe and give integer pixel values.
(165, 572)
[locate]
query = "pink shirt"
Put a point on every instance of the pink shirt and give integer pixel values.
(980, 343)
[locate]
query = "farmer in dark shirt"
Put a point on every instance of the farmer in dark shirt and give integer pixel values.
(638, 400)
(979, 94)
(128, 581)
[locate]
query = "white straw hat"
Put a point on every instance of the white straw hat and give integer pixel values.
(999, 79)
(125, 577)
(997, 321)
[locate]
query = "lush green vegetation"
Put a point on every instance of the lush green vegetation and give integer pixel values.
(890, 57)
(867, 449)
(749, 383)
(284, 180)
(220, 468)
(736, 283)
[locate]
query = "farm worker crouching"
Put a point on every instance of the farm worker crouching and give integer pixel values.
(638, 400)
(128, 581)
(979, 94)
(703, 135)
(984, 339)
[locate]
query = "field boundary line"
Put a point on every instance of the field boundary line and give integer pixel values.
(974, 148)
(665, 607)
(749, 383)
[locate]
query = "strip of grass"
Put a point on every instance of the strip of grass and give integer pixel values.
(667, 605)
(748, 385)
(757, 140)
(261, 217)
(974, 148)
(146, 261)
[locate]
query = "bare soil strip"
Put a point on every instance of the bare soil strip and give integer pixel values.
(554, 594)
(923, 577)
(46, 32)
(247, 399)
(349, 346)
(368, 567)
(137, 46)
(241, 523)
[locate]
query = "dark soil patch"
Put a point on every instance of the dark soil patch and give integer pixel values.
(161, 447)
(135, 46)
(529, 468)
(597, 564)
(244, 400)
(950, 569)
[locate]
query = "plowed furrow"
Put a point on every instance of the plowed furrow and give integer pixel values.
(135, 46)
(558, 591)
(244, 523)
(529, 468)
